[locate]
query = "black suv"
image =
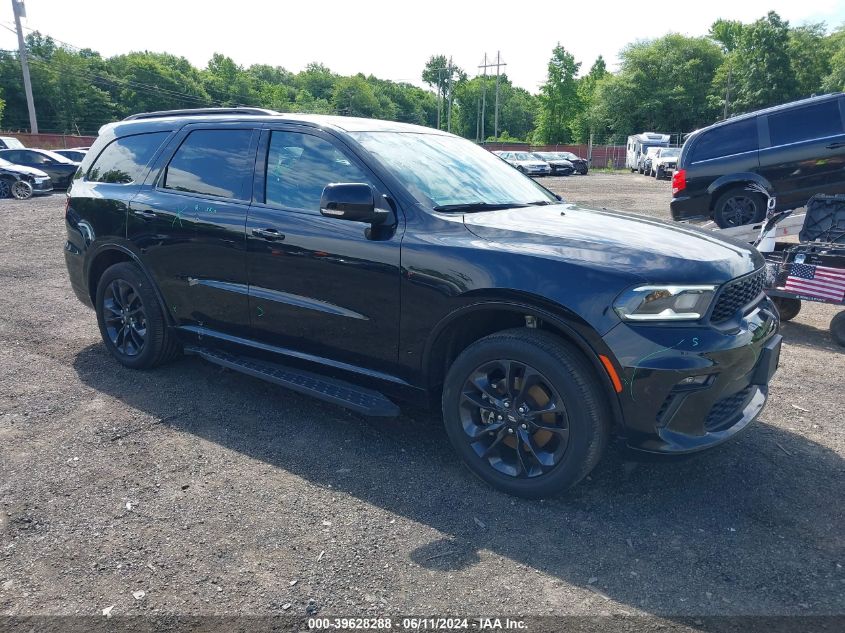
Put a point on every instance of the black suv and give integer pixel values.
(792, 151)
(356, 260)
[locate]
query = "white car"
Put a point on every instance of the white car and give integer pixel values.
(527, 163)
(664, 162)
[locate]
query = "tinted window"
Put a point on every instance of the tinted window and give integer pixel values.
(299, 166)
(727, 140)
(35, 158)
(810, 122)
(125, 160)
(212, 162)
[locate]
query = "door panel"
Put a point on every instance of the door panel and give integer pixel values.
(319, 285)
(807, 152)
(194, 243)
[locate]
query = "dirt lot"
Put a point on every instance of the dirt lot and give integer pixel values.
(215, 493)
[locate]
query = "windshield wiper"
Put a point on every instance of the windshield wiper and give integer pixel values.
(540, 203)
(469, 207)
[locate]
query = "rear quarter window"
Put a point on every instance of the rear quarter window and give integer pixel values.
(726, 140)
(125, 159)
(810, 122)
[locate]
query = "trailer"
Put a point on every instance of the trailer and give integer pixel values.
(638, 145)
(813, 269)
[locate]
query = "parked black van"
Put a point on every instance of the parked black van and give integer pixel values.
(793, 150)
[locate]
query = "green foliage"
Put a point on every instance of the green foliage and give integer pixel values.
(77, 91)
(662, 85)
(559, 100)
(762, 71)
(835, 80)
(671, 84)
(584, 123)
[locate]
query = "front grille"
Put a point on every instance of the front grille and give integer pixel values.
(738, 293)
(726, 411)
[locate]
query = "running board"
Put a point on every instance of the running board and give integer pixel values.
(328, 389)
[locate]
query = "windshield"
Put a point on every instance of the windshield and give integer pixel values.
(524, 156)
(567, 155)
(670, 152)
(12, 143)
(55, 156)
(443, 170)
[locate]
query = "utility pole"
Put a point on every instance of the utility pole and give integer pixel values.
(20, 11)
(483, 97)
(449, 103)
(496, 116)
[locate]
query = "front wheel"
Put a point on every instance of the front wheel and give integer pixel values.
(525, 412)
(21, 190)
(131, 320)
(837, 328)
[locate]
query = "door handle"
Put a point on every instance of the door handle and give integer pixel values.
(270, 234)
(835, 145)
(144, 215)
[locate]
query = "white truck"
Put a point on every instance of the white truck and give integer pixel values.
(638, 145)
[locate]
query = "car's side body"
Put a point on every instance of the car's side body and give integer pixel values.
(793, 151)
(527, 163)
(37, 179)
(60, 171)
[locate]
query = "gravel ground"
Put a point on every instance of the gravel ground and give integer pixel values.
(213, 492)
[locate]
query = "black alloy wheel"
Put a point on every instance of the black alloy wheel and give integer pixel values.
(132, 323)
(514, 418)
(526, 412)
(124, 317)
(738, 207)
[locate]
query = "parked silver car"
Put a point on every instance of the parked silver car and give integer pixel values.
(527, 163)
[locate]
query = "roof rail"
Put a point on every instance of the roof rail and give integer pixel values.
(199, 112)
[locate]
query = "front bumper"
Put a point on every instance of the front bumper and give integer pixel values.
(43, 187)
(686, 389)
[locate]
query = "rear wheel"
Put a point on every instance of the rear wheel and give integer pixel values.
(737, 207)
(837, 328)
(788, 308)
(131, 320)
(525, 412)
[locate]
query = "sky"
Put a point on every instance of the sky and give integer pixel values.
(391, 40)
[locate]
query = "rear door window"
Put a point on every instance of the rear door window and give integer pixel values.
(124, 160)
(213, 163)
(726, 140)
(819, 120)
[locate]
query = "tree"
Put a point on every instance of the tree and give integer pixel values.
(835, 80)
(662, 86)
(809, 57)
(762, 73)
(353, 96)
(582, 124)
(439, 73)
(559, 102)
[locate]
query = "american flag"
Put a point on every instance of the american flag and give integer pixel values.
(822, 282)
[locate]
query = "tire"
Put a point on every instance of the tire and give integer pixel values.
(137, 336)
(837, 328)
(660, 174)
(520, 170)
(737, 206)
(21, 190)
(788, 308)
(474, 402)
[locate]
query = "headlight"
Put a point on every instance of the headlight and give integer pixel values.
(664, 303)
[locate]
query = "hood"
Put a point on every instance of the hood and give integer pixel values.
(560, 161)
(21, 169)
(617, 242)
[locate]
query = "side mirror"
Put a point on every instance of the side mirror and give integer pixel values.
(351, 201)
